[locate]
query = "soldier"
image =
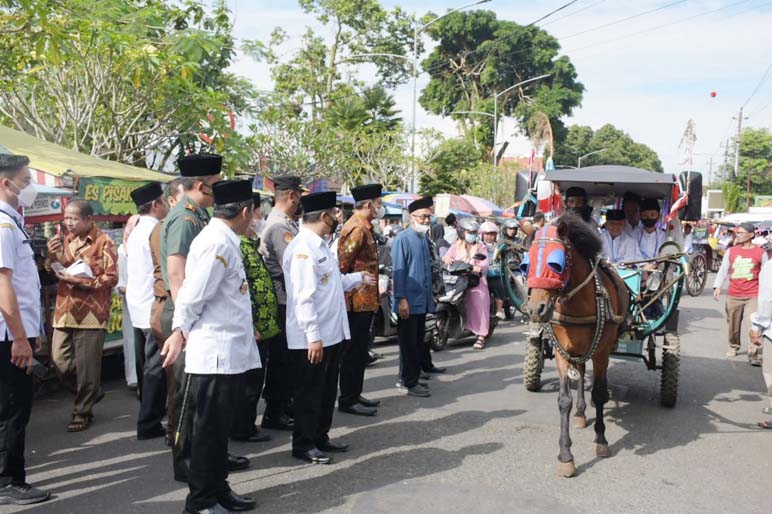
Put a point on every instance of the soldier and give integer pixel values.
(183, 223)
(139, 297)
(316, 325)
(280, 227)
(19, 329)
(213, 320)
(357, 251)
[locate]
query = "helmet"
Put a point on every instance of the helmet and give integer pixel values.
(488, 227)
(511, 223)
(469, 225)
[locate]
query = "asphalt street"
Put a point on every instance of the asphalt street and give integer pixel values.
(481, 443)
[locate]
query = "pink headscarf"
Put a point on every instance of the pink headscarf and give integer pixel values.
(130, 224)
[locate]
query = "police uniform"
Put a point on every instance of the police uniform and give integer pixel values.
(316, 311)
(15, 384)
(278, 232)
(183, 223)
(358, 251)
(214, 313)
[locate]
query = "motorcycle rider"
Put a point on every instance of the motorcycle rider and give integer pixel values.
(489, 232)
(477, 299)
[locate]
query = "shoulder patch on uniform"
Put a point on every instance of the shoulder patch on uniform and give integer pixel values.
(301, 256)
(287, 237)
(221, 259)
(6, 225)
(190, 207)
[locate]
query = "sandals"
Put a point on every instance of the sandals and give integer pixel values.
(79, 425)
(479, 344)
(765, 424)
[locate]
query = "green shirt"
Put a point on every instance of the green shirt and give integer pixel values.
(182, 225)
(261, 292)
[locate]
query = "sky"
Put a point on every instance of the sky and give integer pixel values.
(647, 73)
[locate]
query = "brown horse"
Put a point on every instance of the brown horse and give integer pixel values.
(579, 303)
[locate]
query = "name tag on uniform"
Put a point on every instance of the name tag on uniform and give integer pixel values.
(322, 260)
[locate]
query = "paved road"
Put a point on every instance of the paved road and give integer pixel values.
(480, 444)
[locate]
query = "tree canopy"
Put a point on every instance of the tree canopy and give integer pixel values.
(618, 148)
(755, 165)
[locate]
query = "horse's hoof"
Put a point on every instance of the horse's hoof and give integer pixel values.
(566, 469)
(580, 422)
(601, 450)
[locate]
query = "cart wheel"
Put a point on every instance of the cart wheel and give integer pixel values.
(695, 283)
(534, 363)
(671, 359)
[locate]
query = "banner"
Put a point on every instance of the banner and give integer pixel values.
(109, 196)
(45, 205)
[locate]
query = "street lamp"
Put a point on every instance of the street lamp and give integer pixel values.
(417, 30)
(579, 161)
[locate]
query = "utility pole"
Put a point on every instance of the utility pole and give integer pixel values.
(737, 143)
(724, 168)
(710, 171)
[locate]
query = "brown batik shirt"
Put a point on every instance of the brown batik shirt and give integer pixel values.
(357, 251)
(86, 305)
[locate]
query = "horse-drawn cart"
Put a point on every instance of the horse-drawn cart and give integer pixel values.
(649, 330)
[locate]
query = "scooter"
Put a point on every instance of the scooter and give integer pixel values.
(385, 322)
(451, 311)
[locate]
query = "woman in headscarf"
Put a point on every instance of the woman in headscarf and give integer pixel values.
(477, 300)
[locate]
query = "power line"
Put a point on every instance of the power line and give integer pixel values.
(761, 83)
(564, 6)
(628, 18)
(568, 15)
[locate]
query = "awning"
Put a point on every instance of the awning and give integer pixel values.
(58, 160)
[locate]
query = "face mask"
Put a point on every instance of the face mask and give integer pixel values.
(26, 195)
(380, 212)
(256, 226)
(434, 220)
(649, 222)
(421, 228)
(334, 225)
(470, 238)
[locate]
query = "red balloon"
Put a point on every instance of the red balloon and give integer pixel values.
(713, 94)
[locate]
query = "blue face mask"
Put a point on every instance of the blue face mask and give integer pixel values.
(434, 219)
(470, 238)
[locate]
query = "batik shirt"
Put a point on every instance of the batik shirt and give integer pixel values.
(261, 292)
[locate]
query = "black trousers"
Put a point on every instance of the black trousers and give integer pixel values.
(278, 384)
(411, 353)
(248, 396)
(152, 382)
(316, 386)
(354, 358)
(15, 408)
(425, 350)
(215, 396)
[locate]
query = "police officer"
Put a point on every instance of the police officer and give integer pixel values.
(183, 223)
(280, 227)
(316, 326)
(19, 329)
(213, 320)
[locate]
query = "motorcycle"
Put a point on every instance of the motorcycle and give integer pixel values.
(451, 311)
(385, 321)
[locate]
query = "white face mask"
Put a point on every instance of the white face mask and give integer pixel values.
(380, 212)
(256, 226)
(420, 228)
(27, 195)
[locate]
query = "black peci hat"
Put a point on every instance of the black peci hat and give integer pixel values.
(9, 162)
(576, 191)
(422, 203)
(615, 215)
(649, 204)
(318, 201)
(147, 193)
(366, 192)
(256, 198)
(288, 183)
(232, 191)
(631, 197)
(200, 165)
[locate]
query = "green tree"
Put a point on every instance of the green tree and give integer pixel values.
(449, 166)
(478, 55)
(755, 170)
(618, 148)
(122, 80)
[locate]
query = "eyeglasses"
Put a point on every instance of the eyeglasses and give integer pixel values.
(422, 217)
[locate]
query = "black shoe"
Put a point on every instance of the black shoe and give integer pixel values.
(332, 447)
(435, 369)
(372, 358)
(237, 462)
(367, 402)
(233, 501)
(419, 391)
(157, 431)
(314, 456)
(257, 437)
(22, 494)
(358, 410)
(399, 385)
(282, 423)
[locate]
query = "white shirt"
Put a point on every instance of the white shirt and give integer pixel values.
(762, 318)
(649, 243)
(633, 230)
(139, 264)
(213, 308)
(122, 268)
(621, 249)
(16, 254)
(316, 306)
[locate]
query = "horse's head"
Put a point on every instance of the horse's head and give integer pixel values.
(547, 267)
